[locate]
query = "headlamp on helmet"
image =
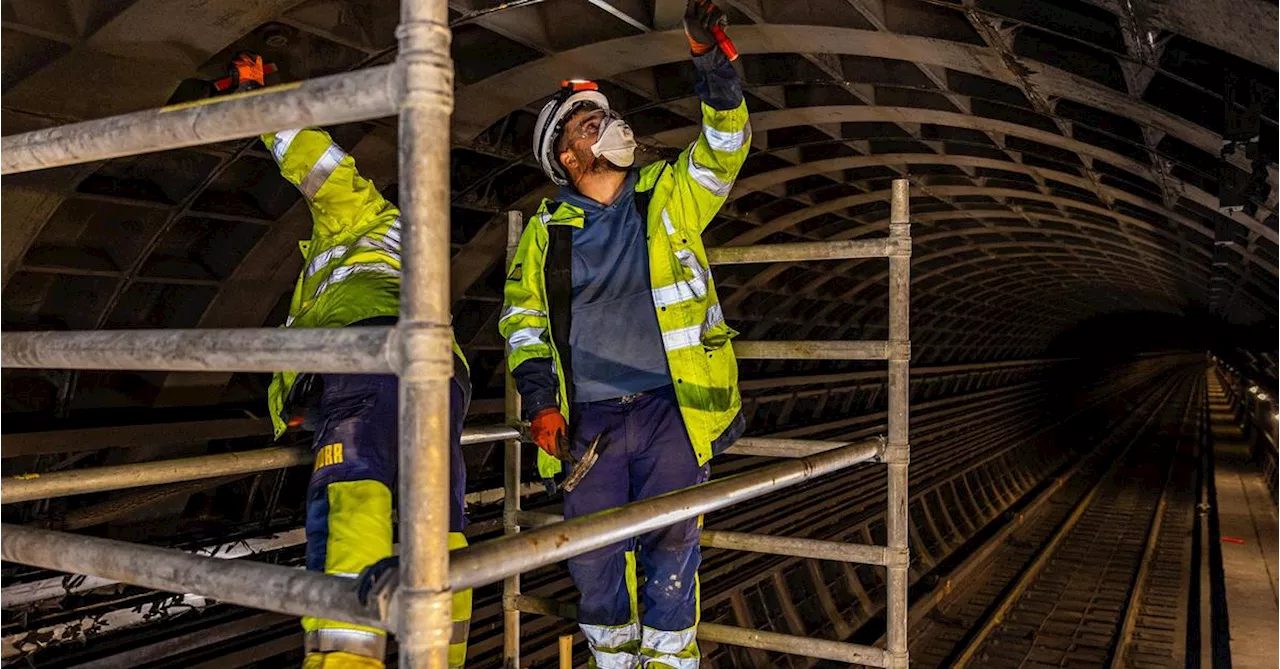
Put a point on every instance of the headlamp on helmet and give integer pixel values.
(615, 141)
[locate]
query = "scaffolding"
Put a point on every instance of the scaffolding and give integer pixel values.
(419, 87)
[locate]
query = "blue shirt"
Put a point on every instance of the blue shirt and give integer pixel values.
(615, 340)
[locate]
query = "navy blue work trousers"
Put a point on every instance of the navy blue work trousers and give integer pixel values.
(648, 454)
(361, 413)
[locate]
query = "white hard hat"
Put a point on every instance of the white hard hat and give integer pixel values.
(573, 94)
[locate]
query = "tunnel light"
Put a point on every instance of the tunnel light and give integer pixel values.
(1253, 390)
(1263, 397)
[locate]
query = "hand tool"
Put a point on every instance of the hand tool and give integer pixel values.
(583, 466)
(725, 44)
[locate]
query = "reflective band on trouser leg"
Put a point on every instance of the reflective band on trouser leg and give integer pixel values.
(617, 646)
(340, 660)
(359, 534)
(670, 650)
(461, 613)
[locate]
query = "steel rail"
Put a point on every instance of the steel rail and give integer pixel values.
(353, 96)
(512, 554)
(1127, 637)
(966, 571)
(994, 617)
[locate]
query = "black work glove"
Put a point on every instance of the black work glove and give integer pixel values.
(699, 17)
(372, 576)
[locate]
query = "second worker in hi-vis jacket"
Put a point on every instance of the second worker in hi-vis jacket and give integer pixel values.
(615, 335)
(351, 277)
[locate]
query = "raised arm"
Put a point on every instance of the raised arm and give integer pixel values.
(707, 168)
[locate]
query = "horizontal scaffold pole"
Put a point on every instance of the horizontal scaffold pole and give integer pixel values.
(795, 547)
(801, 251)
(360, 350)
(27, 487)
(491, 561)
(817, 549)
(258, 585)
(354, 96)
(811, 350)
(836, 651)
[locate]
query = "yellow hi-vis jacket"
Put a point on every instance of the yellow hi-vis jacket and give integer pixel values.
(352, 261)
(683, 197)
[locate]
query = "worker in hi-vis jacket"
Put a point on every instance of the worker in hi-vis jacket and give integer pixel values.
(351, 277)
(614, 331)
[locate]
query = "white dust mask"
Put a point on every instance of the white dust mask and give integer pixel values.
(615, 143)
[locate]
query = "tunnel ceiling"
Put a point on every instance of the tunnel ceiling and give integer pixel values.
(1064, 158)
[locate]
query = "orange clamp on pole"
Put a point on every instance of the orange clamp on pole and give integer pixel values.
(725, 44)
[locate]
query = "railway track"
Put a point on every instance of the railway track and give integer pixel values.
(1099, 576)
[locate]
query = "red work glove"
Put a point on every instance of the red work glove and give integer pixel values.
(699, 17)
(550, 432)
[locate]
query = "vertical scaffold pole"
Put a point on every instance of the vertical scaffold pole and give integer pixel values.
(511, 485)
(424, 619)
(897, 453)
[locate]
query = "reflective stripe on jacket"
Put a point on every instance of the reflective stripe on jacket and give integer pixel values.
(351, 269)
(686, 195)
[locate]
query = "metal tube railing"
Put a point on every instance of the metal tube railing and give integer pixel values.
(757, 543)
(811, 350)
(255, 584)
(511, 481)
(837, 250)
(373, 350)
(355, 96)
(897, 453)
(836, 651)
(356, 350)
(27, 487)
(795, 547)
(427, 366)
(491, 561)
